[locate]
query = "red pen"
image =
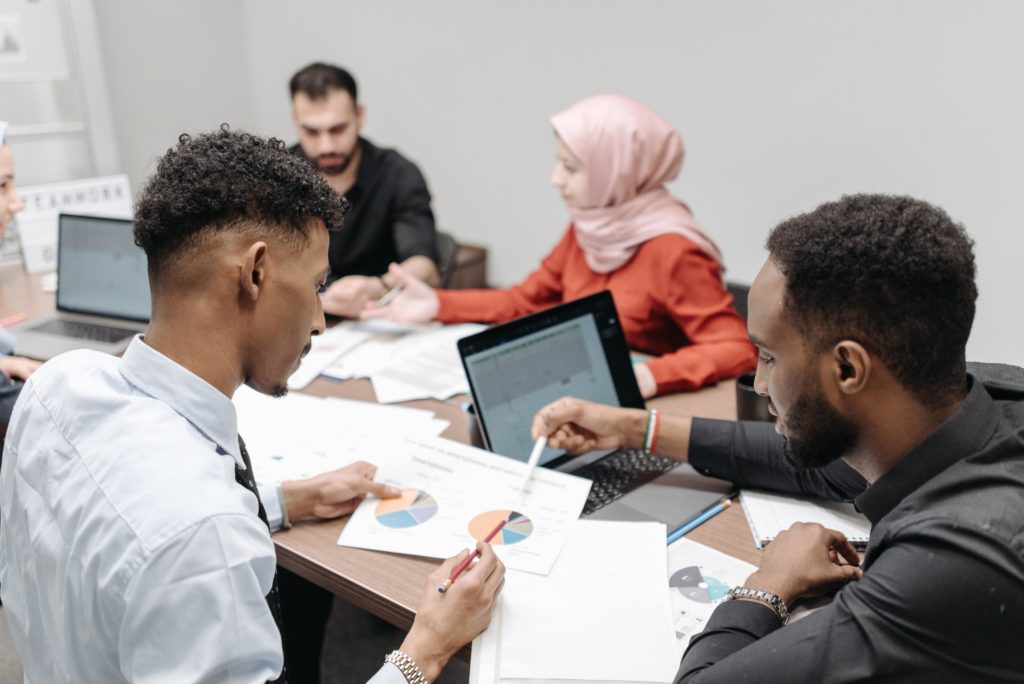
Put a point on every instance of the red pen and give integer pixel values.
(11, 320)
(465, 564)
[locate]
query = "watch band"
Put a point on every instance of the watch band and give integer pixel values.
(766, 597)
(407, 666)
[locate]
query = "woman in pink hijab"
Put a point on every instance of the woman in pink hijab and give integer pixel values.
(627, 235)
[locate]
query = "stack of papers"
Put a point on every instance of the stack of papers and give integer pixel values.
(608, 607)
(299, 436)
(602, 615)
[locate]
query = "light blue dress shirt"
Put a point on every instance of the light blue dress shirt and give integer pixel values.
(128, 553)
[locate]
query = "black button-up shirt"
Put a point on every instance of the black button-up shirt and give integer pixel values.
(389, 220)
(942, 597)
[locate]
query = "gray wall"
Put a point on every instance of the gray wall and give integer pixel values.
(782, 105)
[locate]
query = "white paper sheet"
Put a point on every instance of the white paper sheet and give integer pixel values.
(421, 362)
(300, 436)
(603, 614)
(698, 579)
(455, 494)
(326, 350)
(768, 514)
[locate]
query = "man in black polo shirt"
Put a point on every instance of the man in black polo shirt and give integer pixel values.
(390, 220)
(861, 317)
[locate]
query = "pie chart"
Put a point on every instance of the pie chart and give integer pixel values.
(517, 527)
(692, 584)
(412, 508)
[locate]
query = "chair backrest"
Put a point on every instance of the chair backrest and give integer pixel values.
(739, 293)
(447, 251)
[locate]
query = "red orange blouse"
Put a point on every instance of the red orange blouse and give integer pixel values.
(670, 297)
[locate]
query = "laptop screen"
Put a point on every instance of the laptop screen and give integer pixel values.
(576, 349)
(100, 269)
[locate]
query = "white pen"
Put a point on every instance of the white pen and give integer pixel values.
(538, 447)
(389, 296)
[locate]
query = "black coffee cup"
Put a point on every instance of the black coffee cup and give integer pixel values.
(749, 404)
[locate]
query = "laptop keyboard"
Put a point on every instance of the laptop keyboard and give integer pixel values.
(83, 331)
(620, 473)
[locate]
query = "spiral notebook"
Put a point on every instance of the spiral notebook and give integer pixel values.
(769, 514)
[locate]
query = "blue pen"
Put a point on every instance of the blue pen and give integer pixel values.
(704, 516)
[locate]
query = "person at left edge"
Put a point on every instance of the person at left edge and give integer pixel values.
(13, 369)
(389, 220)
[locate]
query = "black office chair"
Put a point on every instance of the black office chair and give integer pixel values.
(739, 293)
(447, 251)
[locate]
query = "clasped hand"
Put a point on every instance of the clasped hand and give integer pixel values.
(806, 560)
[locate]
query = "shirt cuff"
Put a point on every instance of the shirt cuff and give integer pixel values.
(271, 504)
(389, 674)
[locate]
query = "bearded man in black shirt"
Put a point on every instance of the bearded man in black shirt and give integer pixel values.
(390, 220)
(861, 317)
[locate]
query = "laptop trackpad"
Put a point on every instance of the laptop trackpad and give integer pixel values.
(674, 498)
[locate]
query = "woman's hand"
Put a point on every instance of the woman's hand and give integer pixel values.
(416, 303)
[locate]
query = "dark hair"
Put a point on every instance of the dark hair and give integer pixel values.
(893, 273)
(229, 179)
(318, 79)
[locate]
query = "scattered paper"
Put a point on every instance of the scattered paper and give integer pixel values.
(698, 579)
(427, 366)
(454, 495)
(405, 363)
(299, 436)
(325, 351)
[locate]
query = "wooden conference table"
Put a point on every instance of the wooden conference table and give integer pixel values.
(390, 585)
(386, 584)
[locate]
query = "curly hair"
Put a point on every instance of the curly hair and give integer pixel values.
(229, 179)
(896, 274)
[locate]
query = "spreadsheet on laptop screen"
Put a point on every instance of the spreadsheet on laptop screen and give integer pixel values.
(515, 379)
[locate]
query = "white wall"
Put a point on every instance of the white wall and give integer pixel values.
(782, 105)
(172, 67)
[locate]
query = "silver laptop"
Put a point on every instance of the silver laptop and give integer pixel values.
(578, 349)
(102, 291)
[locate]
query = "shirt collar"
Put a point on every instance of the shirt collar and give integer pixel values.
(186, 393)
(966, 432)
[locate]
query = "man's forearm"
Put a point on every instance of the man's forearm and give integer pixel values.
(421, 267)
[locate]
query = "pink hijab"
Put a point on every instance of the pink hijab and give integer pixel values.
(629, 153)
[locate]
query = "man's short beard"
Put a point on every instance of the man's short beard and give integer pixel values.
(817, 434)
(279, 391)
(335, 169)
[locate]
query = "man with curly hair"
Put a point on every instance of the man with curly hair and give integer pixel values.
(861, 316)
(134, 543)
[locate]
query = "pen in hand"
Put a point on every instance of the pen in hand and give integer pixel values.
(446, 585)
(538, 448)
(389, 296)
